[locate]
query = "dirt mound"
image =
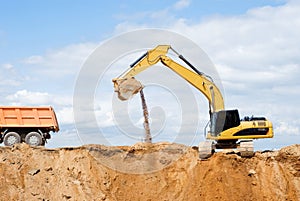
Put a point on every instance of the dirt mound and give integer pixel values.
(160, 171)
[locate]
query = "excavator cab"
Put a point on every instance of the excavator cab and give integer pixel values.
(223, 120)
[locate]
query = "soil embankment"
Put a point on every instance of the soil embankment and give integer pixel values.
(160, 171)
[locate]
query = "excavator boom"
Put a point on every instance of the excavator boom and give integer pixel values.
(125, 83)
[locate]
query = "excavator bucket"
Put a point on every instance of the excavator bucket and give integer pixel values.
(126, 88)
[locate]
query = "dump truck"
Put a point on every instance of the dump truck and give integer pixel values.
(31, 125)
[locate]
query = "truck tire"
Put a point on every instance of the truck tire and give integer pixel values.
(11, 138)
(34, 139)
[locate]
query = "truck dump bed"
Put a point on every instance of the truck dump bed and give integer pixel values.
(28, 117)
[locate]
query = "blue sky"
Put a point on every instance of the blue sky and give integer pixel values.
(252, 43)
(38, 26)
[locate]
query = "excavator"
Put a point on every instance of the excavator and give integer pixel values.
(225, 129)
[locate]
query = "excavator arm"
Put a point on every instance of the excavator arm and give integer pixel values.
(126, 86)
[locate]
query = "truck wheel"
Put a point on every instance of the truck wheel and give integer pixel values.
(34, 139)
(11, 138)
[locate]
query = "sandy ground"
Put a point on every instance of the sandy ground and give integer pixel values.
(161, 171)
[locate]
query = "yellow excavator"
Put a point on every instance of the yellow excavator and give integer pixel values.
(225, 129)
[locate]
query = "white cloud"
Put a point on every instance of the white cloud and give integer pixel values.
(247, 41)
(61, 104)
(10, 82)
(8, 66)
(29, 98)
(60, 62)
(25, 97)
(155, 18)
(181, 4)
(103, 111)
(35, 59)
(43, 79)
(65, 115)
(258, 39)
(8, 77)
(287, 129)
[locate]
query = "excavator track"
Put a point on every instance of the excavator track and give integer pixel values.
(206, 149)
(246, 148)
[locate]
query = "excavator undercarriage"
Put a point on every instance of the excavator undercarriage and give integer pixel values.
(245, 148)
